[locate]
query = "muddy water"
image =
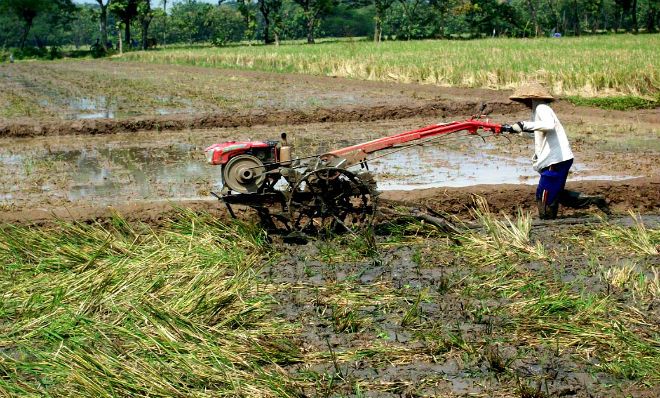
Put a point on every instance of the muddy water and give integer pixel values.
(91, 108)
(106, 107)
(107, 175)
(433, 167)
(76, 108)
(106, 171)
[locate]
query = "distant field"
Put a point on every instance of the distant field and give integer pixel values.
(585, 66)
(92, 89)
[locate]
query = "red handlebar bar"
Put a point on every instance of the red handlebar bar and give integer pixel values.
(359, 151)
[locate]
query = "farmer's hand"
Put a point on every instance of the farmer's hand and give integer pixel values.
(517, 127)
(507, 128)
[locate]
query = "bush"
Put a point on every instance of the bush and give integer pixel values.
(55, 52)
(97, 50)
(4, 55)
(622, 103)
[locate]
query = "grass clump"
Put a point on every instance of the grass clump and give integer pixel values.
(126, 310)
(631, 277)
(499, 239)
(637, 238)
(590, 325)
(622, 103)
(539, 308)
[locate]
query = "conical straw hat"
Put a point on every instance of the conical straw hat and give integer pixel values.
(531, 91)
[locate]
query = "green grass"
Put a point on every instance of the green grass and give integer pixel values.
(124, 310)
(622, 103)
(585, 66)
(541, 308)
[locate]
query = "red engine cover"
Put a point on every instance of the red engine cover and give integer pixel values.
(218, 154)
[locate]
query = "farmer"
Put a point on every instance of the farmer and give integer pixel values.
(553, 156)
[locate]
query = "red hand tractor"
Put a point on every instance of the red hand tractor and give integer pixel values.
(321, 194)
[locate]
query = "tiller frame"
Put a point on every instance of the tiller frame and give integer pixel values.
(321, 195)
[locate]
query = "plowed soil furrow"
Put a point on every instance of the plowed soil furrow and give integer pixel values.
(641, 194)
(226, 120)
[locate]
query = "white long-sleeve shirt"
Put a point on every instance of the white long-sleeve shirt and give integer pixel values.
(550, 142)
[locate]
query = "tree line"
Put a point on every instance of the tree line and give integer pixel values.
(123, 25)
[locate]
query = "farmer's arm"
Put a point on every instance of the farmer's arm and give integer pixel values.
(545, 120)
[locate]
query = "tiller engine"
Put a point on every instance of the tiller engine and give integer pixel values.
(315, 195)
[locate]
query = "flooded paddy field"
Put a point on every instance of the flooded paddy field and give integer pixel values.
(170, 166)
(170, 286)
(105, 97)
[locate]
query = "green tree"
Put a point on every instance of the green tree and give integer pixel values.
(58, 28)
(163, 16)
(82, 28)
(381, 7)
(348, 20)
(227, 24)
(189, 21)
(533, 7)
(441, 8)
(247, 9)
(126, 11)
(489, 17)
(103, 22)
(416, 18)
(627, 10)
(195, 22)
(28, 10)
(380, 10)
(145, 15)
(652, 15)
(314, 10)
(270, 11)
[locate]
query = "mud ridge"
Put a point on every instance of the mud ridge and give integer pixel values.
(263, 117)
(638, 194)
(641, 195)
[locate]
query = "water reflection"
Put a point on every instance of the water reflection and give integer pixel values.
(116, 172)
(110, 175)
(92, 108)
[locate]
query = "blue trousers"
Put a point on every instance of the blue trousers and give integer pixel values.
(552, 182)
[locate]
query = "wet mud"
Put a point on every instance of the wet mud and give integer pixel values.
(640, 195)
(359, 314)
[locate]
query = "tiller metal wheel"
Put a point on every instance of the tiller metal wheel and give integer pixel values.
(331, 200)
